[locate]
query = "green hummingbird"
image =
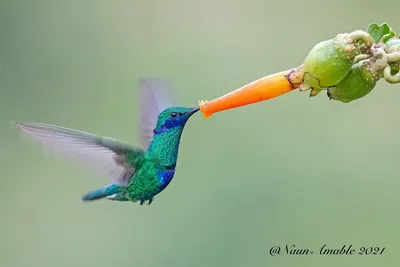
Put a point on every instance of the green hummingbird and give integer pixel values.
(137, 174)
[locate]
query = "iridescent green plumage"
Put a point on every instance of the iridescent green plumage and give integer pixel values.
(156, 167)
(137, 174)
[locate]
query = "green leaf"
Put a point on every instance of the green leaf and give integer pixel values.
(380, 33)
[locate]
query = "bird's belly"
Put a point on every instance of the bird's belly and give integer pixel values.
(145, 187)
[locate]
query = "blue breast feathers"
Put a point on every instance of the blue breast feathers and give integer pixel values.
(165, 176)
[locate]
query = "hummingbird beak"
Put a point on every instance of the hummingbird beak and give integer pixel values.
(194, 110)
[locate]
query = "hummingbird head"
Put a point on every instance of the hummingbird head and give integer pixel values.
(174, 118)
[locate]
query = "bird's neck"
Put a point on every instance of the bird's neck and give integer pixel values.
(165, 147)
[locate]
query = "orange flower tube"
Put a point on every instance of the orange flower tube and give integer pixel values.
(266, 88)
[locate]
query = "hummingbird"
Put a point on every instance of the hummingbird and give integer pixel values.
(137, 173)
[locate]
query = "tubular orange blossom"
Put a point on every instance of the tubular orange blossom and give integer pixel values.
(268, 87)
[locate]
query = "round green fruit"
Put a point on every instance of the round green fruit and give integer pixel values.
(330, 61)
(393, 45)
(357, 84)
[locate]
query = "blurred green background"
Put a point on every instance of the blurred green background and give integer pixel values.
(289, 171)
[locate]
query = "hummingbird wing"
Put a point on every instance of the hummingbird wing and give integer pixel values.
(155, 95)
(113, 158)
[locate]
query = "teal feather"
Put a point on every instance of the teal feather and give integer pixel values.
(101, 193)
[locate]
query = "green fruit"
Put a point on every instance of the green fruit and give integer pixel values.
(393, 45)
(357, 84)
(330, 61)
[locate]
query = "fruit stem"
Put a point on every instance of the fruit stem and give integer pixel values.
(379, 61)
(393, 57)
(389, 77)
(363, 36)
(361, 57)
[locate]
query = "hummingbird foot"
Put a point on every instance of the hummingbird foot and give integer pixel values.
(149, 201)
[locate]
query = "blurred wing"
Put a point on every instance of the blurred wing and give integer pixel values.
(155, 95)
(104, 154)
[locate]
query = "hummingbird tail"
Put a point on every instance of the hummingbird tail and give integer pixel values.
(101, 193)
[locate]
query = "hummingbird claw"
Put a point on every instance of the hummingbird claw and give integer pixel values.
(141, 202)
(150, 201)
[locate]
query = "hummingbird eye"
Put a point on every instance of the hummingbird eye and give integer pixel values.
(174, 114)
